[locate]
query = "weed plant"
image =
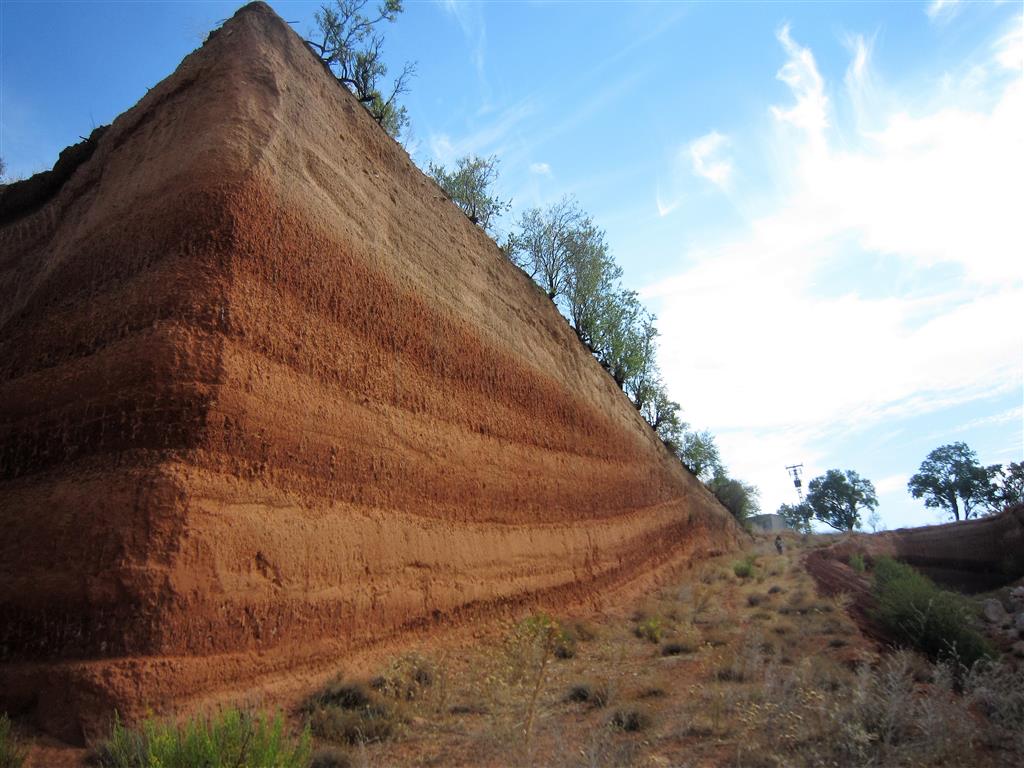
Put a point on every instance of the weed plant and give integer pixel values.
(11, 755)
(230, 739)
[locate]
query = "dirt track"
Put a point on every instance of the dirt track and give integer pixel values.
(265, 395)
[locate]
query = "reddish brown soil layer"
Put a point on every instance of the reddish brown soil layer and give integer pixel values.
(265, 395)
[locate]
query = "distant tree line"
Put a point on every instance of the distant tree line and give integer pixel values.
(950, 479)
(566, 253)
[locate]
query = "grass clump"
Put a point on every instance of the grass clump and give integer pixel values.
(856, 561)
(922, 616)
(331, 757)
(744, 569)
(231, 738)
(678, 647)
(352, 713)
(11, 755)
(630, 720)
(595, 695)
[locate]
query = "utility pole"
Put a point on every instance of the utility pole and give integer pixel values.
(795, 471)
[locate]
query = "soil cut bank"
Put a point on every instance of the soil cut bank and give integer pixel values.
(266, 394)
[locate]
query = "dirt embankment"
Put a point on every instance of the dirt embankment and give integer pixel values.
(968, 556)
(266, 395)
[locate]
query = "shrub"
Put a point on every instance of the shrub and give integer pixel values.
(630, 720)
(744, 569)
(11, 756)
(649, 630)
(856, 561)
(331, 757)
(754, 600)
(406, 678)
(352, 713)
(920, 615)
(596, 695)
(230, 738)
(678, 647)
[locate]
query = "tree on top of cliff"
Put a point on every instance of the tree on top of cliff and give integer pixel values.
(470, 185)
(837, 498)
(1010, 488)
(351, 47)
(951, 479)
(738, 497)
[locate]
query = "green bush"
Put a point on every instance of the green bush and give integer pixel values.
(649, 629)
(11, 756)
(231, 738)
(856, 561)
(920, 615)
(744, 569)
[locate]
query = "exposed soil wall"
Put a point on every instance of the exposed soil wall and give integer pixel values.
(265, 394)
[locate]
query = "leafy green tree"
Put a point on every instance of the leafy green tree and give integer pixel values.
(797, 516)
(350, 46)
(591, 278)
(1009, 490)
(662, 414)
(697, 450)
(837, 498)
(544, 240)
(738, 497)
(469, 187)
(951, 479)
(621, 336)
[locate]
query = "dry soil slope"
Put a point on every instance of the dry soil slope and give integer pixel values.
(265, 393)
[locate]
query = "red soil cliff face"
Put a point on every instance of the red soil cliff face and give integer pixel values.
(266, 394)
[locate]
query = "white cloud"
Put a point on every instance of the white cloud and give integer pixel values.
(942, 10)
(892, 484)
(1009, 49)
(540, 169)
(705, 156)
(769, 343)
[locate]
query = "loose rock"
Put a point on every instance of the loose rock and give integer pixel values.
(993, 611)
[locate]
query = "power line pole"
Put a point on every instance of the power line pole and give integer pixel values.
(795, 471)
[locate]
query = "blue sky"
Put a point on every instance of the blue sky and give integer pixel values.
(821, 201)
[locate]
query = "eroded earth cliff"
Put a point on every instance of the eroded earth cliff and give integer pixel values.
(265, 394)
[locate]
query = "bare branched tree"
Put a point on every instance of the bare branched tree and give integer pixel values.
(350, 46)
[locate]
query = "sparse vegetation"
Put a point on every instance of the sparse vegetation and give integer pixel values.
(230, 738)
(922, 616)
(352, 713)
(856, 561)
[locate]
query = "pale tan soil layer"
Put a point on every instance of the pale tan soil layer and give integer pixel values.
(265, 395)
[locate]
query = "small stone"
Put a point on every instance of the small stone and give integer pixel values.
(1012, 636)
(1018, 649)
(1019, 621)
(993, 611)
(1017, 596)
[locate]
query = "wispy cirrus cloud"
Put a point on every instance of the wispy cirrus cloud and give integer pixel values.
(942, 10)
(706, 158)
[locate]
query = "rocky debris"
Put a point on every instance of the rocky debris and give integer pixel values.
(994, 612)
(1017, 597)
